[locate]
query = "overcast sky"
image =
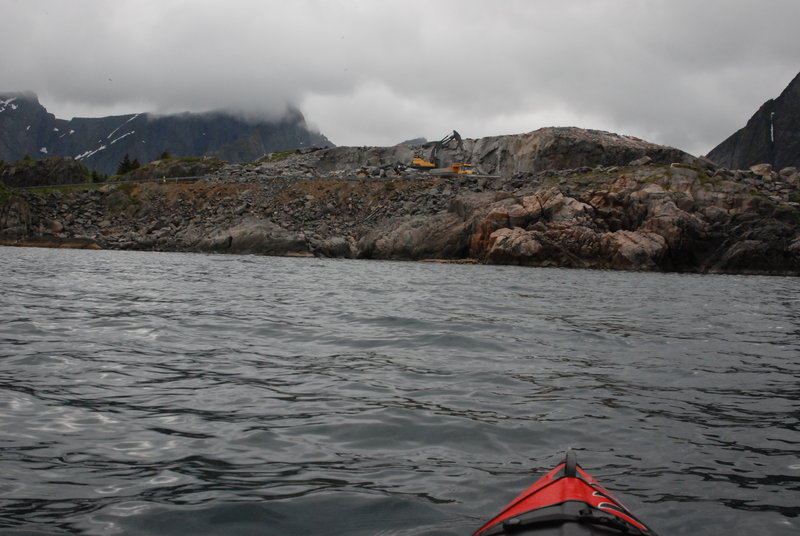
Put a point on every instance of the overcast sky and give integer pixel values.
(685, 73)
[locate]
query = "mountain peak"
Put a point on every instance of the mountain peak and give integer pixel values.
(26, 128)
(771, 135)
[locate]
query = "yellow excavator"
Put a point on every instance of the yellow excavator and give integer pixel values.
(434, 165)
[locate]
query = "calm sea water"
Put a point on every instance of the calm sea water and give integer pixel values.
(166, 394)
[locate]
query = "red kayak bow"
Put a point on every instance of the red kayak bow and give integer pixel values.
(566, 501)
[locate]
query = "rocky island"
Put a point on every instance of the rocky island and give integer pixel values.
(565, 197)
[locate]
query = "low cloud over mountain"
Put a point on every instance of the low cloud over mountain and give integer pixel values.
(26, 128)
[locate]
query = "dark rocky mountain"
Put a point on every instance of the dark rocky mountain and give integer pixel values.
(26, 128)
(771, 136)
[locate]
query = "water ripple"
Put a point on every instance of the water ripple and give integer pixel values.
(169, 393)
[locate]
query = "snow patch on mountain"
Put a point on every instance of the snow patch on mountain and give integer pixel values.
(122, 125)
(89, 154)
(115, 140)
(8, 103)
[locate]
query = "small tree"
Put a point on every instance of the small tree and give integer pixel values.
(127, 165)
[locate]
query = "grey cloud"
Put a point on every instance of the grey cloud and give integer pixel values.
(680, 72)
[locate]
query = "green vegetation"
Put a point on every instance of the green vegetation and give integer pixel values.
(89, 176)
(789, 215)
(25, 161)
(5, 194)
(277, 156)
(687, 166)
(122, 197)
(592, 179)
(705, 179)
(50, 189)
(272, 157)
(126, 188)
(53, 166)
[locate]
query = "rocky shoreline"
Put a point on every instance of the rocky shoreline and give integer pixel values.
(662, 210)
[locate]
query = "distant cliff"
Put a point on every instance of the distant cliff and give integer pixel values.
(26, 128)
(771, 136)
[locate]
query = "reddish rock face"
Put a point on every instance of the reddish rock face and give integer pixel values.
(654, 220)
(496, 219)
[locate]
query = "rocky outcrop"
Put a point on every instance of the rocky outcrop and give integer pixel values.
(26, 128)
(438, 236)
(671, 219)
(253, 235)
(176, 168)
(772, 135)
(550, 148)
(47, 171)
(634, 218)
(691, 217)
(564, 148)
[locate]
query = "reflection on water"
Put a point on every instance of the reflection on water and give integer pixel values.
(172, 394)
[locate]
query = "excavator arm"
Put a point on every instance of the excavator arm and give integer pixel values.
(435, 164)
(455, 136)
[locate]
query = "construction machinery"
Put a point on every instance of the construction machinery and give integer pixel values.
(435, 166)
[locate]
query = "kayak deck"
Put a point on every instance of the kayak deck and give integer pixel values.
(566, 501)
